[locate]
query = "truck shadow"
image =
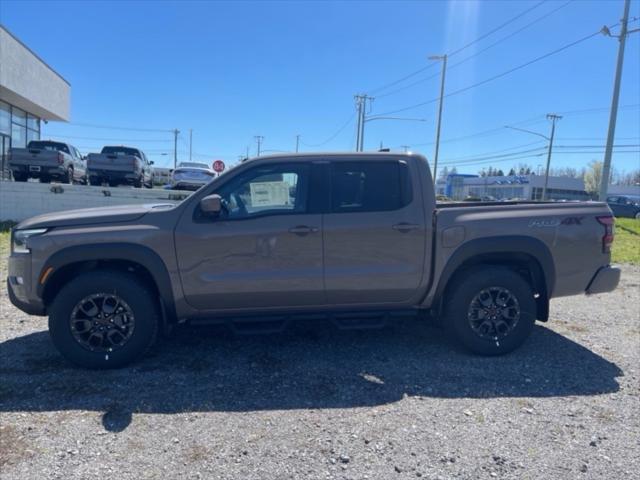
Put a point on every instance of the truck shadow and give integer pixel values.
(307, 367)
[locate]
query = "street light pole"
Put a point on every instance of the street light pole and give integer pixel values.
(613, 115)
(553, 117)
(190, 142)
(297, 142)
(437, 150)
(175, 148)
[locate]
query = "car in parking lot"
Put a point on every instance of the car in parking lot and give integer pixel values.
(120, 165)
(191, 176)
(624, 206)
(353, 238)
(47, 160)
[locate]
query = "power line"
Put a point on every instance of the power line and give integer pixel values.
(420, 70)
(73, 137)
(495, 77)
(499, 27)
(133, 129)
(338, 132)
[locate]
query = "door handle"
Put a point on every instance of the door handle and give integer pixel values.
(303, 230)
(405, 227)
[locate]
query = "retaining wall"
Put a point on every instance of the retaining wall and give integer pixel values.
(23, 200)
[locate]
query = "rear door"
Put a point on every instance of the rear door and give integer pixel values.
(374, 233)
(265, 251)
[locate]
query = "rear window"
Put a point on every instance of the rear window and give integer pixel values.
(369, 186)
(122, 151)
(50, 146)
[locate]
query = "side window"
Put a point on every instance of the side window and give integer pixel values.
(369, 186)
(267, 190)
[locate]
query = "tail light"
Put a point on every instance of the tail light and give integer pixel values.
(608, 223)
(60, 158)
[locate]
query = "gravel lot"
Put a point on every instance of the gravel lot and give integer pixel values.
(318, 403)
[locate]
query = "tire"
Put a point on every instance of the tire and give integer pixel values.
(44, 179)
(465, 313)
(138, 183)
(20, 177)
(637, 216)
(67, 177)
(95, 182)
(134, 334)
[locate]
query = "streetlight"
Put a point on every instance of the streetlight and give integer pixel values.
(373, 118)
(553, 117)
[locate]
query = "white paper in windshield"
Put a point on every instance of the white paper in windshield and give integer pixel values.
(268, 194)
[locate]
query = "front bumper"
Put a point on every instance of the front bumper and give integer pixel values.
(19, 284)
(605, 280)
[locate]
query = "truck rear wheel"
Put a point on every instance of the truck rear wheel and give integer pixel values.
(103, 319)
(490, 311)
(20, 177)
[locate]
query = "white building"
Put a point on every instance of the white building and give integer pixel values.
(522, 187)
(30, 92)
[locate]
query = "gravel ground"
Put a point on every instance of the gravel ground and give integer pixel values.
(318, 403)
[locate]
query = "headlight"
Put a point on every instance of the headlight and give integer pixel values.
(20, 237)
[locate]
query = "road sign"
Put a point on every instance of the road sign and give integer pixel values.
(218, 166)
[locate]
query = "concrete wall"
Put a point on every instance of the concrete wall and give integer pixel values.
(29, 83)
(19, 201)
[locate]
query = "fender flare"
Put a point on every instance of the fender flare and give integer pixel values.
(493, 247)
(131, 252)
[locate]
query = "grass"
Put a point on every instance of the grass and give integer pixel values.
(626, 246)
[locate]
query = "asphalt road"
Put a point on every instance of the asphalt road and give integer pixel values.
(315, 402)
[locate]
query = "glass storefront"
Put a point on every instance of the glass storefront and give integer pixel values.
(17, 128)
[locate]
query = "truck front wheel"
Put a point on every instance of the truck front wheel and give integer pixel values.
(490, 310)
(103, 319)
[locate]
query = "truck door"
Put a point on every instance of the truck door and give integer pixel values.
(374, 233)
(265, 251)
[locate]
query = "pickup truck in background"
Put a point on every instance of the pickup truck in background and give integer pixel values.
(356, 239)
(47, 160)
(120, 166)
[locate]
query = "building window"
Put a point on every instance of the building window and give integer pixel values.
(18, 136)
(5, 118)
(18, 116)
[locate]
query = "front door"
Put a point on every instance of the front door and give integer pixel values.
(265, 248)
(375, 234)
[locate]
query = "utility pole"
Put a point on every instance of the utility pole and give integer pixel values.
(361, 106)
(259, 139)
(437, 151)
(613, 115)
(297, 142)
(553, 117)
(175, 148)
(190, 142)
(247, 156)
(405, 148)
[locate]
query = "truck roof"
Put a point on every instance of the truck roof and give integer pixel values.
(334, 155)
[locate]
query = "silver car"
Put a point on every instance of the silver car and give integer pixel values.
(191, 176)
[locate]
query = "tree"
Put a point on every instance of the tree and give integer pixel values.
(454, 171)
(500, 173)
(592, 177)
(444, 173)
(512, 172)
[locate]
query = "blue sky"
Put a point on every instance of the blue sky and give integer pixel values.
(232, 70)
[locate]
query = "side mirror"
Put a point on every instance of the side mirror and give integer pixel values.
(211, 204)
(151, 162)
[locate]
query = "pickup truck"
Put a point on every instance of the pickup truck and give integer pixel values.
(120, 166)
(356, 238)
(47, 160)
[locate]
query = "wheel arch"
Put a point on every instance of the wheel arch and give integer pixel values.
(527, 255)
(140, 260)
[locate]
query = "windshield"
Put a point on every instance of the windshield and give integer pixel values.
(122, 151)
(50, 146)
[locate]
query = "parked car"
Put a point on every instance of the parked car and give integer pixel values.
(47, 160)
(624, 206)
(353, 238)
(191, 176)
(120, 166)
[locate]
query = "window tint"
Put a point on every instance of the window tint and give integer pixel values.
(49, 146)
(369, 186)
(122, 151)
(273, 189)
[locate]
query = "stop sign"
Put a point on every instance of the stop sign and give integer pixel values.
(218, 166)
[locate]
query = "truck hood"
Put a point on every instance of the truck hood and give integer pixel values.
(89, 216)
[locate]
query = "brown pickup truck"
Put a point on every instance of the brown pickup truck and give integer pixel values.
(353, 238)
